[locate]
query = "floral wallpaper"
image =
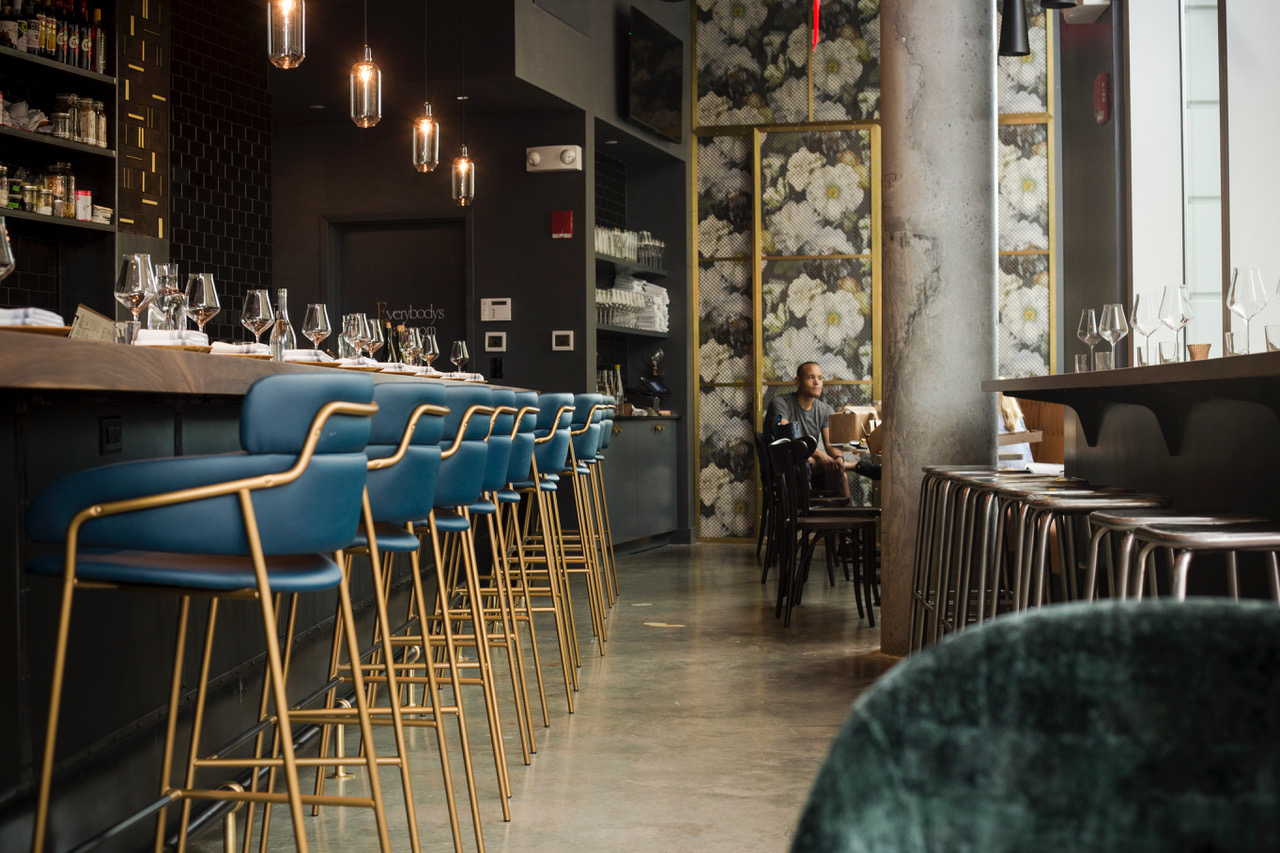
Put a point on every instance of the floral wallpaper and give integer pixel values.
(725, 329)
(724, 197)
(1022, 82)
(816, 192)
(817, 310)
(753, 59)
(726, 478)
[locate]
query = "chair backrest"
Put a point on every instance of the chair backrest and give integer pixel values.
(518, 466)
(1136, 726)
(606, 423)
(462, 474)
(499, 452)
(587, 442)
(406, 490)
(552, 455)
(276, 418)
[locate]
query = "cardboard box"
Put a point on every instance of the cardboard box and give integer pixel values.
(875, 439)
(852, 424)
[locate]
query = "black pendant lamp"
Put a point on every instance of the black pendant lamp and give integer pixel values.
(1013, 30)
(1057, 4)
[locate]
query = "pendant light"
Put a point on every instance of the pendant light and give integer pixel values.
(464, 169)
(1013, 30)
(1057, 4)
(426, 130)
(287, 32)
(366, 84)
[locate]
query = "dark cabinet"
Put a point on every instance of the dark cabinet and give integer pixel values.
(640, 478)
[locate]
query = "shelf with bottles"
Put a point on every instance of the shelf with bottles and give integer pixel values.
(54, 221)
(49, 34)
(31, 140)
(12, 61)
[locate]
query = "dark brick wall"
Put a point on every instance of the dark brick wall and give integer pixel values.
(34, 281)
(611, 192)
(220, 147)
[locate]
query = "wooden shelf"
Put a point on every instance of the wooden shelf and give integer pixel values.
(630, 266)
(70, 70)
(43, 139)
(627, 330)
(54, 221)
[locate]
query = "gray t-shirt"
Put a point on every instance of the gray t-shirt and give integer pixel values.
(812, 422)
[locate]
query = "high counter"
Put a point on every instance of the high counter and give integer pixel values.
(1204, 433)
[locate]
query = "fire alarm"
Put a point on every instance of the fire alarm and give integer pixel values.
(562, 224)
(1102, 98)
(553, 158)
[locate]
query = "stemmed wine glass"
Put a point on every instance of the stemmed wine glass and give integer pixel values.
(1088, 331)
(258, 315)
(7, 263)
(1144, 321)
(376, 338)
(430, 351)
(410, 344)
(170, 297)
(1248, 296)
(202, 299)
(1175, 310)
(135, 286)
(1113, 326)
(355, 331)
(459, 355)
(315, 325)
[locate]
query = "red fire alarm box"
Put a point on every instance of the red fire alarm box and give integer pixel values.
(1102, 99)
(561, 224)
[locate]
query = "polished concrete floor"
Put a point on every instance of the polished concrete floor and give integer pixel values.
(700, 729)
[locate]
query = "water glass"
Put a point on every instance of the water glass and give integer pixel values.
(1229, 345)
(1082, 363)
(1169, 352)
(126, 331)
(1273, 338)
(1141, 357)
(1104, 360)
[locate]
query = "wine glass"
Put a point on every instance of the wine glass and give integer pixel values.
(376, 338)
(135, 286)
(1144, 320)
(1248, 296)
(315, 325)
(459, 355)
(1175, 309)
(366, 336)
(7, 263)
(355, 331)
(410, 346)
(258, 315)
(202, 299)
(1113, 326)
(170, 297)
(1088, 330)
(430, 351)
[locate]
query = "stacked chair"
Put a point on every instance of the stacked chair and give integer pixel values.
(402, 466)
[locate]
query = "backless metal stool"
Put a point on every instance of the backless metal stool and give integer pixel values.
(1187, 541)
(1125, 522)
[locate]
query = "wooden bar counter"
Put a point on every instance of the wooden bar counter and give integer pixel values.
(1204, 433)
(67, 405)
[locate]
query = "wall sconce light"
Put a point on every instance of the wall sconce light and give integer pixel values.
(1013, 30)
(287, 32)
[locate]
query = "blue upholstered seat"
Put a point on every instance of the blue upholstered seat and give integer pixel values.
(551, 456)
(406, 490)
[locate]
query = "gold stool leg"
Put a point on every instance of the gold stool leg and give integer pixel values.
(171, 725)
(513, 534)
(55, 702)
(510, 640)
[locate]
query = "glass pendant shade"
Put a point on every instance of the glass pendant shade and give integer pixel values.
(287, 32)
(1013, 30)
(464, 179)
(426, 141)
(366, 91)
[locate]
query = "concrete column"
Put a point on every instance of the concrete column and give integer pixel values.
(939, 110)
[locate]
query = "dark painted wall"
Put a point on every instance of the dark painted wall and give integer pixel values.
(1094, 176)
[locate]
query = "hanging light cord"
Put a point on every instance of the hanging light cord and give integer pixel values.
(464, 74)
(366, 23)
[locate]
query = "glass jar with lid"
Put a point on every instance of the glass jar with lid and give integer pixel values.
(61, 125)
(86, 122)
(63, 102)
(100, 111)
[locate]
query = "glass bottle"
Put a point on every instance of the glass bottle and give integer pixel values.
(282, 335)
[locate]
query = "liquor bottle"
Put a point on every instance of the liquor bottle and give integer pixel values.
(21, 16)
(35, 27)
(99, 43)
(282, 336)
(63, 45)
(47, 24)
(8, 27)
(73, 37)
(86, 37)
(393, 345)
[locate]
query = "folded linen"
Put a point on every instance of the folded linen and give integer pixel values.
(398, 367)
(362, 361)
(30, 317)
(306, 356)
(170, 338)
(249, 348)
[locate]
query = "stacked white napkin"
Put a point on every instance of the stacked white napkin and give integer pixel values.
(399, 367)
(306, 356)
(174, 338)
(362, 361)
(250, 348)
(30, 317)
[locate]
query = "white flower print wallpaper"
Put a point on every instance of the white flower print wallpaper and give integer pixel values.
(756, 69)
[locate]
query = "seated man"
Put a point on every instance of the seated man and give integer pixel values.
(812, 417)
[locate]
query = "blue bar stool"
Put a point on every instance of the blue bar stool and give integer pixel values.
(597, 471)
(582, 543)
(404, 466)
(219, 527)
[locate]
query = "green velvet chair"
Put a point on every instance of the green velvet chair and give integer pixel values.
(1124, 726)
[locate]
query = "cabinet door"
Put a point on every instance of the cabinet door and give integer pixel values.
(620, 482)
(656, 477)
